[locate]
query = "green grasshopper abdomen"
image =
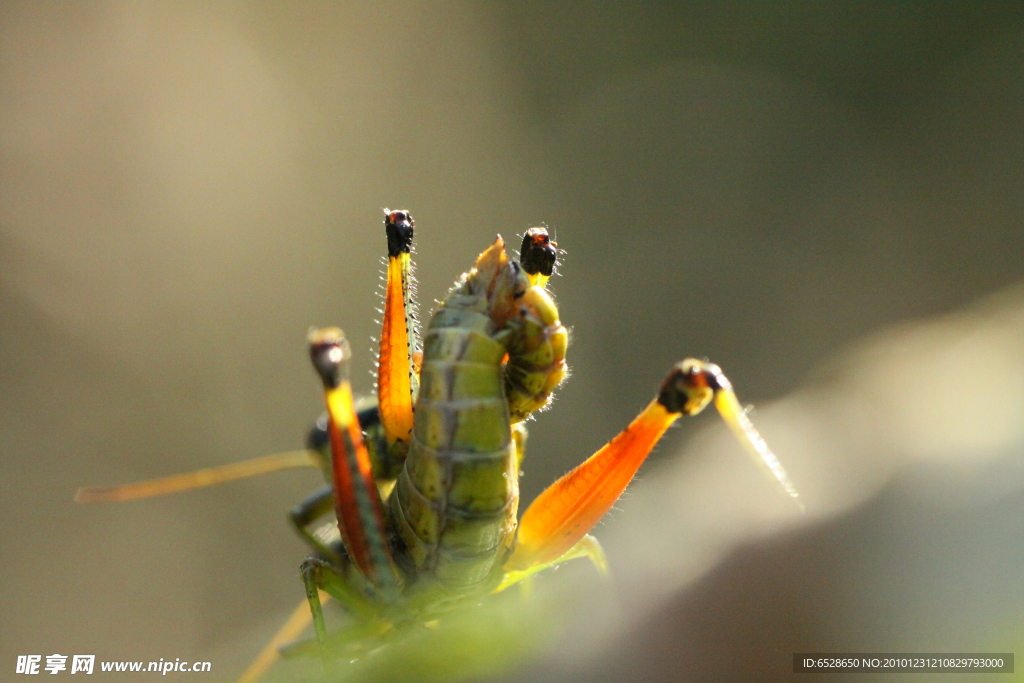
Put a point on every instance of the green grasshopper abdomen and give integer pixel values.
(455, 504)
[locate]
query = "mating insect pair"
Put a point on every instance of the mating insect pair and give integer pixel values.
(424, 485)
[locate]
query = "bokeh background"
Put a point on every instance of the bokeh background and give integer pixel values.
(825, 198)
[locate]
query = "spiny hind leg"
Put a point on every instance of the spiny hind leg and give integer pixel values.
(588, 546)
(397, 379)
(356, 500)
(570, 507)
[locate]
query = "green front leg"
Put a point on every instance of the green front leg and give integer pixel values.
(319, 575)
(302, 516)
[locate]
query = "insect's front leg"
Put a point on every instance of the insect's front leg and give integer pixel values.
(369, 622)
(319, 575)
(397, 378)
(341, 582)
(316, 505)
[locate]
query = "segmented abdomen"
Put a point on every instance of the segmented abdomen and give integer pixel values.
(455, 504)
(453, 510)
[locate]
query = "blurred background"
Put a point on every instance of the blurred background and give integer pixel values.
(824, 198)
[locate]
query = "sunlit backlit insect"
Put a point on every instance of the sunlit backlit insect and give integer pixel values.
(425, 483)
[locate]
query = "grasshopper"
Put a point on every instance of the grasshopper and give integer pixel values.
(424, 484)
